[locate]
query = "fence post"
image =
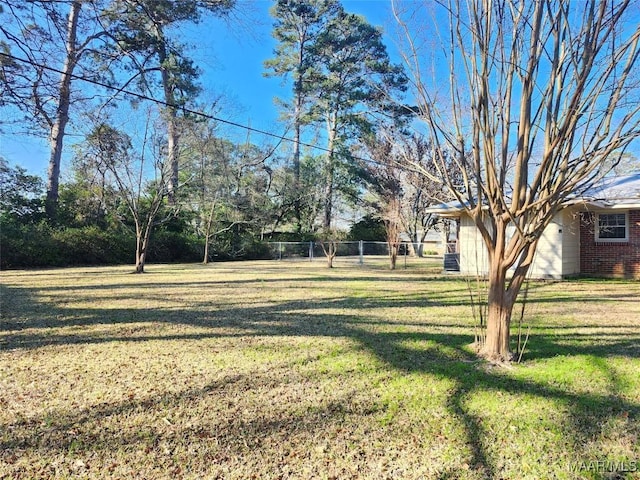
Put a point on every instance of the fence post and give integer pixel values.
(310, 251)
(405, 255)
(279, 250)
(361, 251)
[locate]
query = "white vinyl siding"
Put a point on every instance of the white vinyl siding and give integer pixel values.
(473, 254)
(560, 237)
(570, 242)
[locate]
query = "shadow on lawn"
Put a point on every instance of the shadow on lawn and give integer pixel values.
(228, 438)
(444, 354)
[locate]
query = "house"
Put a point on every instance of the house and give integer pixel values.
(595, 233)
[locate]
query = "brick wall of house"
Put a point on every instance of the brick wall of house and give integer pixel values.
(610, 258)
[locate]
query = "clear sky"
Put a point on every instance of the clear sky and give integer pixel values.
(231, 56)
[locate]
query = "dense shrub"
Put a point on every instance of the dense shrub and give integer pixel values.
(93, 246)
(369, 229)
(253, 249)
(40, 245)
(169, 246)
(28, 245)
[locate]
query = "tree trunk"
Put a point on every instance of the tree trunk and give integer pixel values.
(297, 192)
(171, 118)
(500, 306)
(501, 298)
(172, 155)
(58, 128)
(140, 251)
(330, 248)
(205, 259)
(330, 171)
(207, 233)
(142, 242)
(140, 263)
(393, 255)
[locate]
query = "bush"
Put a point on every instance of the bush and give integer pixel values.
(170, 246)
(369, 229)
(93, 246)
(254, 249)
(28, 245)
(40, 245)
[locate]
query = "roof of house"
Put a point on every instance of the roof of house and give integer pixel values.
(621, 192)
(614, 192)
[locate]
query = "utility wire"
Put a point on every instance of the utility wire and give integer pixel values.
(142, 96)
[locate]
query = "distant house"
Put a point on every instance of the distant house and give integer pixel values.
(596, 233)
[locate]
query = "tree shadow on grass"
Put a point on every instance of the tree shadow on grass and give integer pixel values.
(589, 413)
(444, 355)
(227, 438)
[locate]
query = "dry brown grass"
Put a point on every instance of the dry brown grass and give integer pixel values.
(291, 370)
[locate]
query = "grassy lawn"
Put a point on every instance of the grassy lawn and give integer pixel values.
(290, 370)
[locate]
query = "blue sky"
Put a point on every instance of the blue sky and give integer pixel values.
(231, 57)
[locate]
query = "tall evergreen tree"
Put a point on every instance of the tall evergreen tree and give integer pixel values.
(298, 25)
(142, 29)
(353, 81)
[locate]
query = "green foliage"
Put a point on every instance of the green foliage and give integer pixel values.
(237, 242)
(354, 75)
(144, 29)
(41, 245)
(173, 246)
(27, 245)
(20, 194)
(80, 205)
(298, 25)
(93, 246)
(369, 229)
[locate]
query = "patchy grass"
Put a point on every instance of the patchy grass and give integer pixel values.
(291, 370)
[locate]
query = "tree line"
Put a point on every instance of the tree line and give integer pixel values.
(173, 179)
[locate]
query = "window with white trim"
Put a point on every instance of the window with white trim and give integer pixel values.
(612, 227)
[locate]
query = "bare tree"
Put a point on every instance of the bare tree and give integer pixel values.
(39, 33)
(140, 178)
(540, 95)
(383, 178)
(420, 191)
(401, 196)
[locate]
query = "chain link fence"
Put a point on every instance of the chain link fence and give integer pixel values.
(355, 252)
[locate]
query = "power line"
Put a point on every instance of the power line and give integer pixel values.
(184, 109)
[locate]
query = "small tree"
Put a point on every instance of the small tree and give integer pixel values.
(541, 95)
(421, 191)
(402, 195)
(142, 194)
(383, 178)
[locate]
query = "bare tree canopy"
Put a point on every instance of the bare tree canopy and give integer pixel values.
(540, 97)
